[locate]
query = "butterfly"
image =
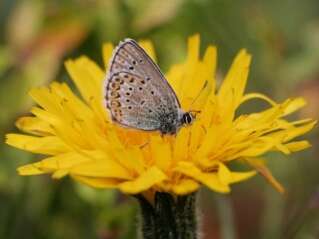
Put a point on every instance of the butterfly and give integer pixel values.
(138, 95)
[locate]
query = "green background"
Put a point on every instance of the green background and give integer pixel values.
(37, 36)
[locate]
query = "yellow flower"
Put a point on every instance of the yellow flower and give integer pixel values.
(80, 140)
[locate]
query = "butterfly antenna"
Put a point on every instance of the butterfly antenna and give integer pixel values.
(196, 98)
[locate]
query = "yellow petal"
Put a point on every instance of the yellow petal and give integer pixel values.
(297, 131)
(60, 174)
(50, 145)
(210, 61)
(241, 176)
(181, 144)
(29, 169)
(96, 73)
(298, 145)
(233, 86)
(211, 180)
(104, 168)
(228, 177)
(185, 186)
(97, 182)
(252, 96)
(259, 165)
(62, 161)
(149, 48)
(145, 181)
(294, 105)
(34, 126)
(236, 78)
(224, 174)
(262, 146)
(107, 52)
(161, 152)
(193, 49)
(88, 79)
(193, 80)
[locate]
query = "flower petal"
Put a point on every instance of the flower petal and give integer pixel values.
(259, 165)
(98, 182)
(232, 88)
(149, 48)
(185, 186)
(107, 51)
(29, 169)
(181, 144)
(35, 126)
(145, 181)
(228, 177)
(50, 145)
(211, 180)
(298, 145)
(88, 78)
(104, 168)
(161, 152)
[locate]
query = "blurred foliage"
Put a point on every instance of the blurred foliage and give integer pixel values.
(37, 36)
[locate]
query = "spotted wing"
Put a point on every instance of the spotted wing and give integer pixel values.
(137, 94)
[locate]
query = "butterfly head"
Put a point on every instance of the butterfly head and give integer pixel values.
(187, 118)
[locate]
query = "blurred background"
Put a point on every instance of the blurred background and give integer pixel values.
(37, 36)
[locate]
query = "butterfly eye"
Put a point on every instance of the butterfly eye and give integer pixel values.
(187, 118)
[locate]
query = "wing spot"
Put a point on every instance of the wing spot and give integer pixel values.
(130, 107)
(127, 100)
(130, 88)
(128, 93)
(140, 60)
(125, 76)
(143, 82)
(132, 80)
(148, 78)
(114, 94)
(140, 88)
(134, 62)
(113, 85)
(115, 103)
(152, 92)
(142, 102)
(150, 111)
(131, 68)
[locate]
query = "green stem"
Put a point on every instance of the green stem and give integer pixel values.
(169, 217)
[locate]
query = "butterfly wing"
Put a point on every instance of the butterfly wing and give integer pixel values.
(137, 94)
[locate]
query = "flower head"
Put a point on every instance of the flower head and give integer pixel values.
(80, 140)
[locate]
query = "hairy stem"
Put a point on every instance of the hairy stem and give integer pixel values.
(169, 217)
